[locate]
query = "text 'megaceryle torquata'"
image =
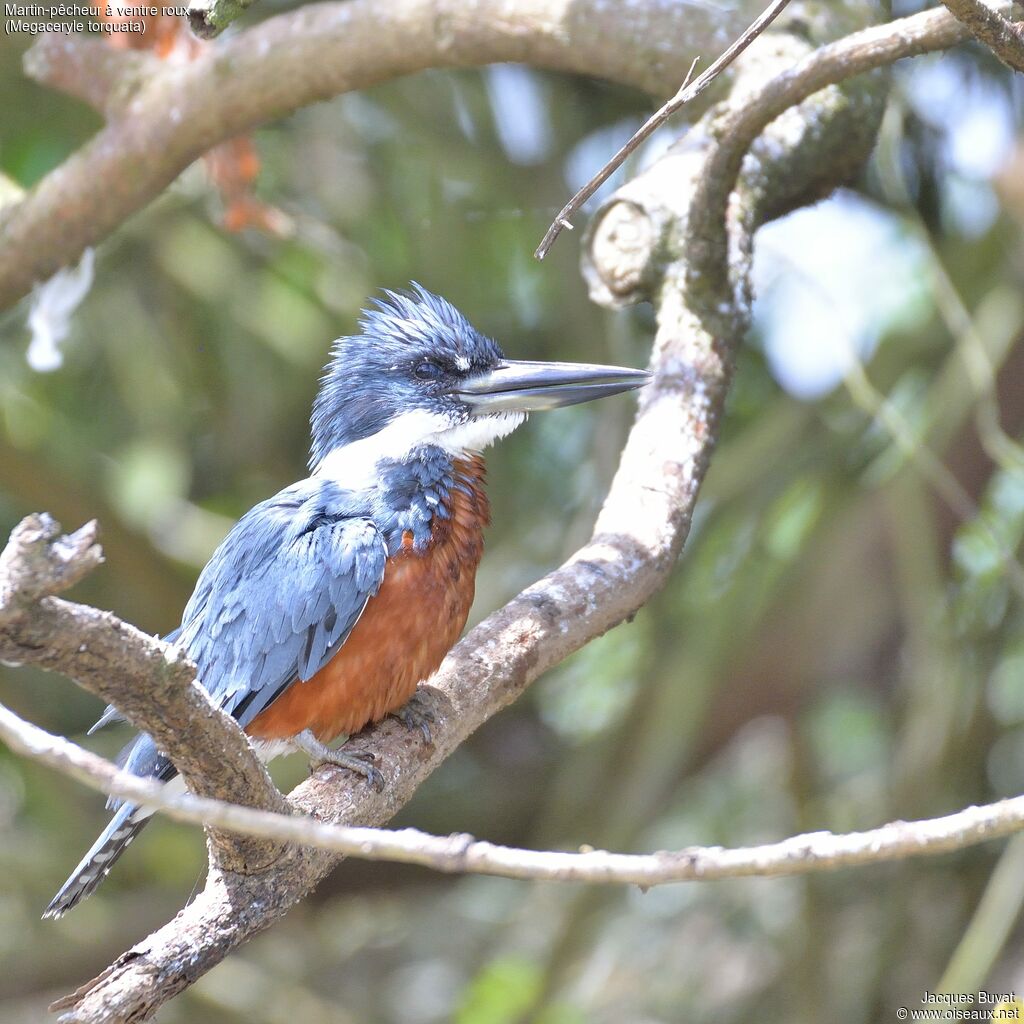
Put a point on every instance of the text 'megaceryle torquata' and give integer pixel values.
(327, 604)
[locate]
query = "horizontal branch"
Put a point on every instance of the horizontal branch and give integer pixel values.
(462, 854)
(151, 682)
(169, 117)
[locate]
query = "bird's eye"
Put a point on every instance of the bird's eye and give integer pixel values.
(427, 370)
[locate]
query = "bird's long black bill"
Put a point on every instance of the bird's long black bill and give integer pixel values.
(521, 386)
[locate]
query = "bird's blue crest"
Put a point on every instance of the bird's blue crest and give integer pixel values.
(417, 317)
(369, 379)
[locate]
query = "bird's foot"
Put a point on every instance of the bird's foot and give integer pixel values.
(320, 754)
(414, 714)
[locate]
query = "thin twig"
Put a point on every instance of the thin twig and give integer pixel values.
(455, 854)
(686, 94)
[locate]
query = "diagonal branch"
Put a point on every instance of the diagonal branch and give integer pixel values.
(1003, 37)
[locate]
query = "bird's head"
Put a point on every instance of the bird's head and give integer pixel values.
(420, 374)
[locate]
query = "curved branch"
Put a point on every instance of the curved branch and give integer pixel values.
(169, 118)
(636, 232)
(462, 854)
(865, 51)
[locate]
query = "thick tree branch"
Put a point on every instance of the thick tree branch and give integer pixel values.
(169, 117)
(152, 682)
(462, 854)
(1004, 38)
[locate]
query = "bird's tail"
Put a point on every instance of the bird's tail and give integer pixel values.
(140, 758)
(123, 828)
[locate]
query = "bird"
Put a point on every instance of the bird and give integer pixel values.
(327, 604)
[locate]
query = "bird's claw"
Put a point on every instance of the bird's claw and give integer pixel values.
(362, 764)
(415, 714)
(320, 754)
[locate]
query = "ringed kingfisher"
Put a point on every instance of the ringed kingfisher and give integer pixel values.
(327, 604)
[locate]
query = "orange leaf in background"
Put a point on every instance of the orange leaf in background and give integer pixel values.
(233, 166)
(163, 34)
(248, 212)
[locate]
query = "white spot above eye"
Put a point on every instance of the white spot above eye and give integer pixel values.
(355, 464)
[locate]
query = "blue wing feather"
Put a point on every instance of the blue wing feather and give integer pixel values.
(275, 602)
(281, 594)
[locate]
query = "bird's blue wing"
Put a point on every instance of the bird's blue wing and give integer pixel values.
(275, 602)
(281, 595)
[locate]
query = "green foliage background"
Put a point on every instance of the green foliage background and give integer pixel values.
(839, 646)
